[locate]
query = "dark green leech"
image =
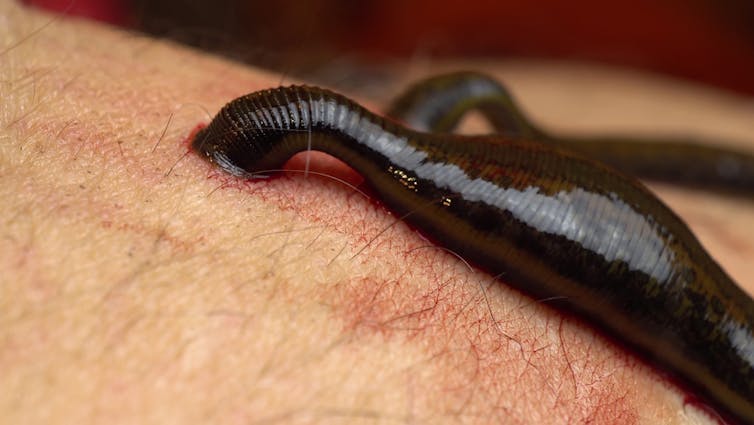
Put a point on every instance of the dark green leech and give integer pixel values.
(554, 223)
(437, 104)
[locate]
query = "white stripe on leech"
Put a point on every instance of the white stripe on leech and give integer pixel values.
(599, 223)
(293, 110)
(277, 120)
(330, 108)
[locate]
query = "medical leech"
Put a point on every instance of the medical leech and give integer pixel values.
(556, 223)
(437, 104)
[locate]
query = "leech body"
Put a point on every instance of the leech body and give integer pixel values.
(437, 104)
(554, 224)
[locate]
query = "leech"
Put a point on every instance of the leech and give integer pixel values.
(559, 226)
(438, 104)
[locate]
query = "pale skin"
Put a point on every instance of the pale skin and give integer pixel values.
(139, 285)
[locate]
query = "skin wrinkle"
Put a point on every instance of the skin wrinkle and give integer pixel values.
(300, 345)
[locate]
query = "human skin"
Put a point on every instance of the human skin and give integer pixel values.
(140, 285)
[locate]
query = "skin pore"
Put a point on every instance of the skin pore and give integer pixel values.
(139, 284)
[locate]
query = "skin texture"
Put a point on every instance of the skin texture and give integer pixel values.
(128, 295)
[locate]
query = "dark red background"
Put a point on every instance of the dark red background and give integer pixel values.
(704, 40)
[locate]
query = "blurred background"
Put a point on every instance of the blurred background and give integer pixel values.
(707, 41)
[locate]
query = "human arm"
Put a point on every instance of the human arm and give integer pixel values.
(139, 285)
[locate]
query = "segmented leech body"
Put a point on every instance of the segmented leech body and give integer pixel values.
(554, 223)
(437, 104)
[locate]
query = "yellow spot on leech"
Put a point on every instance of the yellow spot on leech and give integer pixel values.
(403, 177)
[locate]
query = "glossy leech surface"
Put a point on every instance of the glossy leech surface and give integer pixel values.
(437, 104)
(556, 224)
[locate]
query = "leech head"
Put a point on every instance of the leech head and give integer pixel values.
(261, 131)
(201, 144)
(207, 147)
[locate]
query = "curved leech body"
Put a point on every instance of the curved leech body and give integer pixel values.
(554, 223)
(437, 104)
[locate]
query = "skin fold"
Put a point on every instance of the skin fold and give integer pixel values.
(141, 285)
(557, 225)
